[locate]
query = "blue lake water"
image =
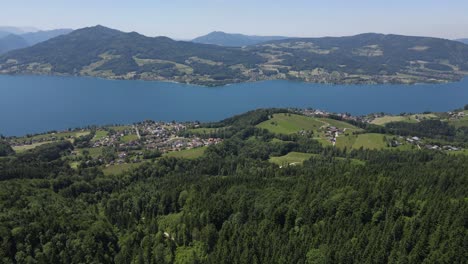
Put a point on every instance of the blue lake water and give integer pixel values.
(30, 104)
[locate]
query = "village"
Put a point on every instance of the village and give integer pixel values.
(332, 132)
(148, 139)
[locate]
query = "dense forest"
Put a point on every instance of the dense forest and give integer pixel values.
(233, 206)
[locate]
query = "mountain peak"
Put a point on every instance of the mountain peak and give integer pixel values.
(98, 29)
(221, 38)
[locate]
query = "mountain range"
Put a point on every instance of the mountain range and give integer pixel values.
(233, 40)
(7, 30)
(366, 58)
(13, 38)
(464, 40)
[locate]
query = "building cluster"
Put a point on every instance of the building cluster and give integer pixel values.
(456, 115)
(322, 113)
(165, 136)
(417, 141)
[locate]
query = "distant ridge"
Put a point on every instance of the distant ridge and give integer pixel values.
(234, 40)
(366, 58)
(39, 36)
(18, 41)
(464, 40)
(12, 42)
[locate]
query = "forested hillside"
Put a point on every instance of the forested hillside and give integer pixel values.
(232, 205)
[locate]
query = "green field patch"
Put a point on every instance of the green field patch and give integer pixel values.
(460, 152)
(57, 136)
(408, 118)
(187, 153)
(119, 168)
(204, 130)
(343, 141)
(290, 123)
(100, 134)
(388, 119)
(370, 141)
(128, 138)
(74, 165)
(460, 122)
(93, 152)
(19, 149)
(120, 128)
(298, 158)
(339, 124)
(292, 158)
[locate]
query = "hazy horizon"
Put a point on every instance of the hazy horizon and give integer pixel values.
(181, 19)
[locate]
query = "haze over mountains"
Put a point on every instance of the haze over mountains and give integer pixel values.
(234, 40)
(12, 38)
(464, 40)
(7, 30)
(366, 58)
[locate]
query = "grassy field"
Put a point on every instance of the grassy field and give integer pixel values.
(290, 123)
(460, 152)
(119, 168)
(61, 135)
(460, 122)
(388, 119)
(297, 158)
(339, 124)
(74, 165)
(292, 158)
(20, 149)
(370, 141)
(93, 152)
(410, 119)
(120, 128)
(128, 138)
(345, 141)
(204, 130)
(187, 153)
(100, 134)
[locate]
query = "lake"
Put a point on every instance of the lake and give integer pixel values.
(31, 104)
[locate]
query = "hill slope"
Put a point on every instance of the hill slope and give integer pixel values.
(35, 37)
(465, 40)
(23, 40)
(233, 40)
(11, 42)
(366, 58)
(108, 53)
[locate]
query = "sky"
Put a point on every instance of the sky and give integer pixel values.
(184, 19)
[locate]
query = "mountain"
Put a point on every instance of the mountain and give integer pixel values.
(13, 30)
(35, 37)
(11, 42)
(465, 40)
(366, 58)
(109, 53)
(6, 30)
(233, 40)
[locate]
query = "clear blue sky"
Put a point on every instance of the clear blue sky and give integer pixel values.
(184, 19)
